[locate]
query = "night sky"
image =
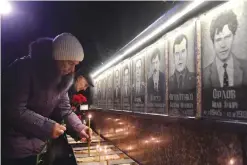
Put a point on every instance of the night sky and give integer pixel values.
(102, 27)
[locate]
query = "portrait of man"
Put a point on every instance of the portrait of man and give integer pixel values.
(96, 90)
(156, 83)
(182, 79)
(109, 90)
(99, 90)
(109, 86)
(126, 81)
(226, 70)
(104, 89)
(139, 86)
(117, 92)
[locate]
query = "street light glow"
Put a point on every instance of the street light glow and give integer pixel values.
(5, 7)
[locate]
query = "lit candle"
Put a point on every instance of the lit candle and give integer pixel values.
(100, 153)
(99, 137)
(89, 117)
(232, 161)
(97, 149)
(105, 152)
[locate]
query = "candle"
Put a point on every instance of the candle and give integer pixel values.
(100, 153)
(99, 144)
(105, 152)
(99, 137)
(97, 147)
(89, 117)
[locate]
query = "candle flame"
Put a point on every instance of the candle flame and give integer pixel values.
(89, 116)
(130, 148)
(232, 161)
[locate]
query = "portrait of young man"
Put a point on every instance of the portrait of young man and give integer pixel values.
(126, 87)
(182, 76)
(99, 90)
(226, 70)
(95, 90)
(224, 78)
(138, 84)
(117, 92)
(126, 81)
(156, 82)
(182, 79)
(102, 92)
(109, 90)
(104, 83)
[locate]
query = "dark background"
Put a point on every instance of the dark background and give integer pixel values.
(102, 27)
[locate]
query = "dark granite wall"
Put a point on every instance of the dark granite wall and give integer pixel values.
(159, 140)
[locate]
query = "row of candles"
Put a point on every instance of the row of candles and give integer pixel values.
(100, 150)
(98, 147)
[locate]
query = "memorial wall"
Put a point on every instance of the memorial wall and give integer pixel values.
(198, 69)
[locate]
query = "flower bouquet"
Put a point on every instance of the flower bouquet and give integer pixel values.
(77, 100)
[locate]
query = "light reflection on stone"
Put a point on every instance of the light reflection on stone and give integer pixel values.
(146, 141)
(159, 144)
(232, 161)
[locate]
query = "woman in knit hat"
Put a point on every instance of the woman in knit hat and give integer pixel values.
(33, 88)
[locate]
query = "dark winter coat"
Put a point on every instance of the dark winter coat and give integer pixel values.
(32, 91)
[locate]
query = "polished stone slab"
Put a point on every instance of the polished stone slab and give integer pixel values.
(158, 140)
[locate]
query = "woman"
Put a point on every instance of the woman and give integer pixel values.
(33, 88)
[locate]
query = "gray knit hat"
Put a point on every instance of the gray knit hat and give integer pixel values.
(67, 47)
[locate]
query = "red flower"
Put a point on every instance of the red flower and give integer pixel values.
(83, 98)
(78, 99)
